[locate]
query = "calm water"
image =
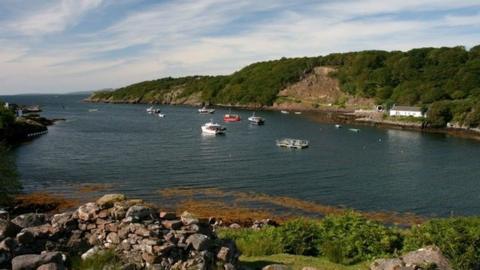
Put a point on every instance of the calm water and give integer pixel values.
(375, 169)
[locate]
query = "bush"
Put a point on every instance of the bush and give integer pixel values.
(458, 238)
(300, 237)
(351, 238)
(255, 243)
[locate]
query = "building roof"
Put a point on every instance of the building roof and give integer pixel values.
(406, 108)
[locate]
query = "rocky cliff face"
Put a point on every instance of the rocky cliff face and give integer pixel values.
(142, 236)
(317, 89)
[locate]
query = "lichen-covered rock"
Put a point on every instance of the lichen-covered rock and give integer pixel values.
(425, 256)
(198, 241)
(387, 264)
(108, 200)
(33, 261)
(87, 211)
(140, 212)
(188, 218)
(430, 255)
(29, 220)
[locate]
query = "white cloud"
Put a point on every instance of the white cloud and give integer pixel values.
(53, 18)
(217, 37)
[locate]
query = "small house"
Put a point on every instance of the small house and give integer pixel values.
(406, 111)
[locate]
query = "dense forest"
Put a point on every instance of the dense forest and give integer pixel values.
(445, 81)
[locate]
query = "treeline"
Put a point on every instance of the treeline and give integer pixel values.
(446, 78)
(258, 83)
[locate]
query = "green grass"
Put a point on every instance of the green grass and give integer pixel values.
(298, 262)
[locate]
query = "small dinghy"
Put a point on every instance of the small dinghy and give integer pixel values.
(356, 130)
(292, 143)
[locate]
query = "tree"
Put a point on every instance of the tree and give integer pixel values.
(439, 114)
(9, 182)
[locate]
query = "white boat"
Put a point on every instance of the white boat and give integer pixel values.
(356, 130)
(292, 143)
(213, 128)
(298, 112)
(153, 110)
(205, 110)
(161, 115)
(338, 126)
(93, 110)
(284, 112)
(257, 120)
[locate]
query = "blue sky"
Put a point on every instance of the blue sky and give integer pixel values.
(55, 46)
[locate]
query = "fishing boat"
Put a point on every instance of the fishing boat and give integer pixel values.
(257, 120)
(153, 110)
(211, 128)
(229, 117)
(292, 143)
(284, 112)
(356, 130)
(205, 110)
(161, 115)
(338, 126)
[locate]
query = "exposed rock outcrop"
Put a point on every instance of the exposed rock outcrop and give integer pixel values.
(424, 258)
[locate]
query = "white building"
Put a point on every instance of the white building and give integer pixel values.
(406, 111)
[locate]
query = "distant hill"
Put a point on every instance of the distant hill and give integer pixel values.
(446, 79)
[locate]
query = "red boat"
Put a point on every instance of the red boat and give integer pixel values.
(231, 118)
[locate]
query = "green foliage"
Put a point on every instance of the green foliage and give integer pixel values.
(351, 238)
(258, 83)
(7, 117)
(255, 243)
(416, 77)
(9, 182)
(300, 237)
(458, 238)
(102, 260)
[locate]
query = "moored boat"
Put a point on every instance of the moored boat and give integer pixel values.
(161, 115)
(338, 126)
(153, 110)
(205, 110)
(211, 128)
(231, 117)
(257, 120)
(356, 130)
(298, 112)
(292, 143)
(284, 112)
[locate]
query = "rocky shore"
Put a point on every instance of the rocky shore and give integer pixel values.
(142, 236)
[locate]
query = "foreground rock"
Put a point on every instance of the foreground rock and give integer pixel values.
(423, 258)
(141, 236)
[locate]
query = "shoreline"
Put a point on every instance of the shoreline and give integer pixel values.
(330, 115)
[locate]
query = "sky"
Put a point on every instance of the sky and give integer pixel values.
(59, 46)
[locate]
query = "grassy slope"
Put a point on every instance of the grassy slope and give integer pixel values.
(297, 262)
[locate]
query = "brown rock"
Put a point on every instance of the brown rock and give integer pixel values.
(172, 224)
(87, 211)
(51, 266)
(188, 218)
(8, 229)
(113, 238)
